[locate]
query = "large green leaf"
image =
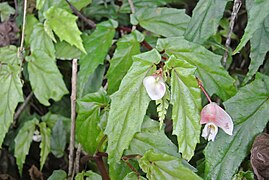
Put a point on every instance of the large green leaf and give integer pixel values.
(257, 12)
(97, 46)
(8, 54)
(186, 101)
(58, 175)
(10, 95)
(125, 7)
(162, 166)
(118, 170)
(64, 25)
(65, 51)
(209, 69)
(87, 129)
(168, 22)
(39, 40)
(45, 143)
(5, 11)
(205, 20)
(249, 110)
(151, 137)
(78, 4)
(23, 141)
(129, 105)
(31, 21)
(45, 77)
(127, 46)
(58, 139)
(259, 47)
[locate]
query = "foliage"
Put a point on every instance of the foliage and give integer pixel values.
(123, 133)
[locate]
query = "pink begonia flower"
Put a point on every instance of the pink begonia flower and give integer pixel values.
(155, 86)
(214, 116)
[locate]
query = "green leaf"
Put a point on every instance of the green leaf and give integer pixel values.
(39, 4)
(52, 119)
(151, 137)
(64, 25)
(8, 54)
(39, 40)
(58, 175)
(168, 22)
(127, 46)
(133, 176)
(65, 51)
(186, 101)
(129, 105)
(209, 69)
(125, 7)
(87, 129)
(259, 47)
(249, 111)
(31, 21)
(58, 139)
(10, 95)
(255, 9)
(89, 175)
(118, 170)
(205, 20)
(45, 77)
(163, 166)
(5, 11)
(45, 143)
(23, 141)
(78, 4)
(97, 46)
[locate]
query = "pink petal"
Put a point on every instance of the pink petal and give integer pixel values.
(155, 87)
(210, 131)
(208, 113)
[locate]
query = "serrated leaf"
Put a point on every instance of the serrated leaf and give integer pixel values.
(162, 166)
(65, 51)
(129, 105)
(205, 20)
(125, 7)
(249, 111)
(49, 31)
(31, 21)
(78, 4)
(11, 94)
(133, 176)
(209, 69)
(162, 106)
(167, 22)
(39, 40)
(255, 9)
(58, 175)
(151, 137)
(87, 129)
(127, 46)
(259, 47)
(45, 77)
(45, 143)
(186, 101)
(64, 25)
(5, 11)
(97, 46)
(8, 54)
(58, 139)
(89, 175)
(23, 141)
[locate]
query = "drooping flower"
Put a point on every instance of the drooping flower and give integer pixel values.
(214, 116)
(155, 86)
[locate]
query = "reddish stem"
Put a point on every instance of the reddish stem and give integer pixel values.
(203, 89)
(126, 29)
(147, 45)
(101, 166)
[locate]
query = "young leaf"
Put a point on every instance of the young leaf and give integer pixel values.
(58, 139)
(205, 20)
(45, 77)
(58, 175)
(23, 141)
(97, 46)
(9, 55)
(87, 129)
(162, 106)
(209, 69)
(259, 47)
(10, 95)
(186, 101)
(127, 46)
(162, 166)
(151, 137)
(88, 175)
(64, 25)
(255, 9)
(45, 143)
(249, 110)
(167, 22)
(129, 105)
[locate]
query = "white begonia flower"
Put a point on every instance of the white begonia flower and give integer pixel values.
(155, 86)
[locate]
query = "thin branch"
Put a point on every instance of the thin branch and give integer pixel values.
(101, 166)
(81, 16)
(98, 148)
(22, 106)
(73, 116)
(76, 164)
(20, 51)
(133, 11)
(203, 89)
(236, 7)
